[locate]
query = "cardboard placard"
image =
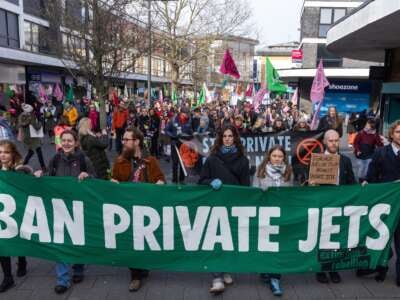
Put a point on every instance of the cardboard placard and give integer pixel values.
(324, 168)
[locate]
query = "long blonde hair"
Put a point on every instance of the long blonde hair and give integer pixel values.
(16, 156)
(85, 127)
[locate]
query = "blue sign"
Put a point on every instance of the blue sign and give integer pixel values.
(347, 97)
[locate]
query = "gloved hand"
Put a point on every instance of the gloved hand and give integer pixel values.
(216, 184)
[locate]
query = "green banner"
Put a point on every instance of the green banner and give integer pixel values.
(194, 228)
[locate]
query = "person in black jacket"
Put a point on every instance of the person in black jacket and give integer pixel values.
(227, 164)
(346, 176)
(331, 121)
(385, 167)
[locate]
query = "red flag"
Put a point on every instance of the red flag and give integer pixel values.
(319, 84)
(249, 90)
(228, 66)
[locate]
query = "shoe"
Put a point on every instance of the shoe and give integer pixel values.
(60, 289)
(275, 286)
(134, 286)
(228, 279)
(21, 271)
(77, 278)
(217, 287)
(335, 277)
(7, 284)
(321, 277)
(381, 276)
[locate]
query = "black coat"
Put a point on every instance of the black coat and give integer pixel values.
(230, 168)
(326, 123)
(384, 166)
(94, 148)
(346, 175)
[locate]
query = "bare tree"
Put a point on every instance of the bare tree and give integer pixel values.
(190, 27)
(103, 43)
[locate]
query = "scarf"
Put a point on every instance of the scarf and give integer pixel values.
(228, 149)
(276, 172)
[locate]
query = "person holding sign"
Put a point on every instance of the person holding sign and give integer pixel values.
(345, 176)
(135, 164)
(11, 160)
(274, 171)
(69, 161)
(227, 164)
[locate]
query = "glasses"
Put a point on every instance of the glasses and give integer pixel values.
(127, 140)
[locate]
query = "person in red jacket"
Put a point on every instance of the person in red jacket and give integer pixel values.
(365, 143)
(119, 120)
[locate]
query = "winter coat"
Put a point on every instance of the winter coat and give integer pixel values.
(327, 123)
(119, 119)
(72, 115)
(123, 170)
(24, 120)
(230, 168)
(94, 148)
(385, 166)
(267, 181)
(63, 165)
(366, 143)
(175, 129)
(94, 119)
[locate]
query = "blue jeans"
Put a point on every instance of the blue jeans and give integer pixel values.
(63, 276)
(363, 167)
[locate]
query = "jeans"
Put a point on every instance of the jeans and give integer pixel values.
(63, 276)
(363, 167)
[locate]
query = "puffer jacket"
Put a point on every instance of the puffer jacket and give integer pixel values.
(94, 148)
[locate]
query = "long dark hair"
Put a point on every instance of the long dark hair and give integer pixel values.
(219, 140)
(261, 173)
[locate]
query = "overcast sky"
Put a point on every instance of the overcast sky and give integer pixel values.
(278, 20)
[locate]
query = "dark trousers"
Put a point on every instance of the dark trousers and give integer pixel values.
(268, 276)
(119, 132)
(397, 249)
(177, 171)
(39, 155)
(138, 274)
(154, 146)
(6, 265)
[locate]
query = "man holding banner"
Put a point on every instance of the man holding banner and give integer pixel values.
(345, 176)
(136, 165)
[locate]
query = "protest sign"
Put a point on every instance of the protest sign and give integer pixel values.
(324, 168)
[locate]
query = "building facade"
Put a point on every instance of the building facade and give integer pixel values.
(28, 45)
(350, 90)
(371, 33)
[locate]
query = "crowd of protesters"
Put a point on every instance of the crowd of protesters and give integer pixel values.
(142, 136)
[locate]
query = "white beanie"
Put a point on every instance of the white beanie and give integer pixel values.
(27, 108)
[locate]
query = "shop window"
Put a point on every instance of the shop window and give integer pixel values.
(328, 16)
(9, 33)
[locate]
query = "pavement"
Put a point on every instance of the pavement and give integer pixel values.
(104, 282)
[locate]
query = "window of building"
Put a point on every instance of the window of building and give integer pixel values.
(328, 16)
(16, 2)
(73, 46)
(9, 33)
(35, 7)
(36, 38)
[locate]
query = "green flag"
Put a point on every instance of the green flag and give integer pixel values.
(166, 91)
(202, 97)
(9, 91)
(174, 97)
(70, 94)
(273, 81)
(196, 229)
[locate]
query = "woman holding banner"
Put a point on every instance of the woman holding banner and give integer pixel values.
(227, 164)
(69, 161)
(11, 160)
(274, 171)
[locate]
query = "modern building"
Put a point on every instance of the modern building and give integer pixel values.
(372, 32)
(350, 89)
(280, 56)
(27, 58)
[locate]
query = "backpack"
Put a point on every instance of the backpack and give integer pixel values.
(56, 162)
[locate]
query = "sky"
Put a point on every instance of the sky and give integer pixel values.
(278, 20)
